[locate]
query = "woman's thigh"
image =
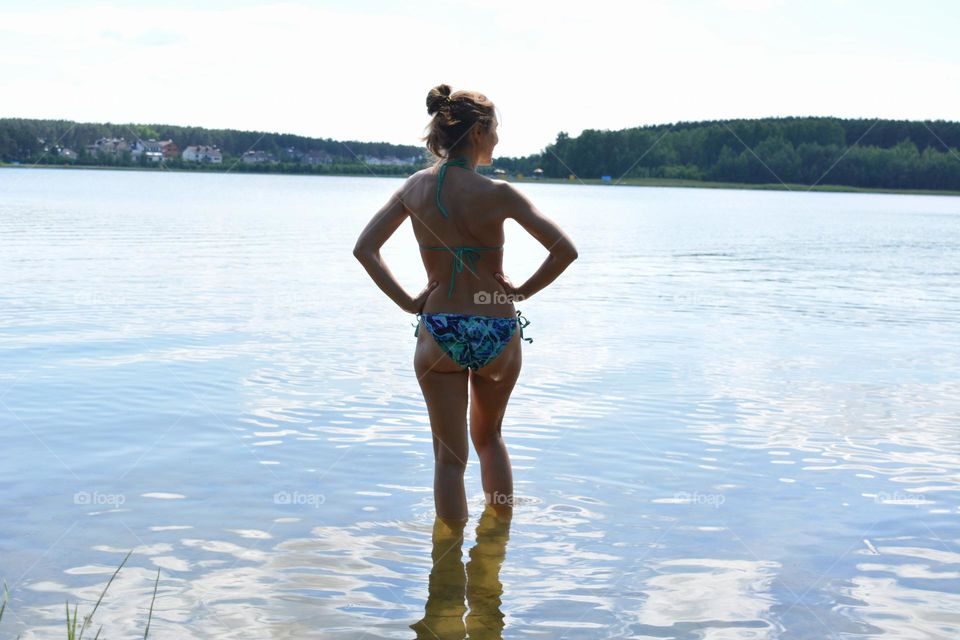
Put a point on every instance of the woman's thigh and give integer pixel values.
(444, 387)
(490, 389)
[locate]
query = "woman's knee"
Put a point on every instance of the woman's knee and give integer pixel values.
(484, 437)
(450, 461)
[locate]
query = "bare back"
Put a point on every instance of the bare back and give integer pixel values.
(475, 205)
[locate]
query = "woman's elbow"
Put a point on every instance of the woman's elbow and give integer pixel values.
(360, 252)
(567, 253)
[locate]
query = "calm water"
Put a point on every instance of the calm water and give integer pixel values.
(738, 417)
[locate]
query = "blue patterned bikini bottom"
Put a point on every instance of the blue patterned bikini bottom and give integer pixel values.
(472, 341)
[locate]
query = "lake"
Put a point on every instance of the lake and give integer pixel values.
(737, 418)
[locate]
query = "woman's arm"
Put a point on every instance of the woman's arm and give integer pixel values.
(367, 250)
(546, 231)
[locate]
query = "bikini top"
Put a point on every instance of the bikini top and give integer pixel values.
(471, 254)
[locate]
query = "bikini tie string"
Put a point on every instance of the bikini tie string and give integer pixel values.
(522, 321)
(416, 331)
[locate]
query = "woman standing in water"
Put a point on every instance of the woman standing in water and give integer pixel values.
(471, 346)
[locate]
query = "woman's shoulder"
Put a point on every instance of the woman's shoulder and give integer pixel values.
(506, 193)
(511, 202)
(418, 175)
(414, 180)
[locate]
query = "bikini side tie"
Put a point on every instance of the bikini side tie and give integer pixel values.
(522, 321)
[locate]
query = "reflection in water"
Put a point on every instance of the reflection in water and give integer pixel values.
(480, 582)
(704, 593)
(905, 591)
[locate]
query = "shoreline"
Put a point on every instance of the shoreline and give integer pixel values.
(628, 182)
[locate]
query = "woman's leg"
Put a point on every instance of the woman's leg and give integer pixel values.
(490, 389)
(444, 387)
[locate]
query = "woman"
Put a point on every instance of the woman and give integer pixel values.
(471, 342)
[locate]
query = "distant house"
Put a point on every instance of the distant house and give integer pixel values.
(538, 173)
(317, 157)
(292, 153)
(150, 149)
(257, 157)
(388, 160)
(108, 146)
(169, 149)
(68, 154)
(202, 153)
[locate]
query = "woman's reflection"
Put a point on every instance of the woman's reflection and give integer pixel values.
(479, 583)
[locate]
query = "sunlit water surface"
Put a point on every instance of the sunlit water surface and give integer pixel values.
(738, 417)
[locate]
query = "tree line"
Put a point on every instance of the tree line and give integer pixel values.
(803, 151)
(894, 154)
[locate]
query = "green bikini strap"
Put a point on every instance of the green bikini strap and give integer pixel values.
(472, 255)
(459, 162)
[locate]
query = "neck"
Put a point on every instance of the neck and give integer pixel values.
(465, 161)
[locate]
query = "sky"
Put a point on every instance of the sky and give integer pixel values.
(361, 70)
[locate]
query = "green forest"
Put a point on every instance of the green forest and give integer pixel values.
(889, 154)
(810, 151)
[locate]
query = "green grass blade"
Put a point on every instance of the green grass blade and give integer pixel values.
(155, 584)
(71, 623)
(87, 619)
